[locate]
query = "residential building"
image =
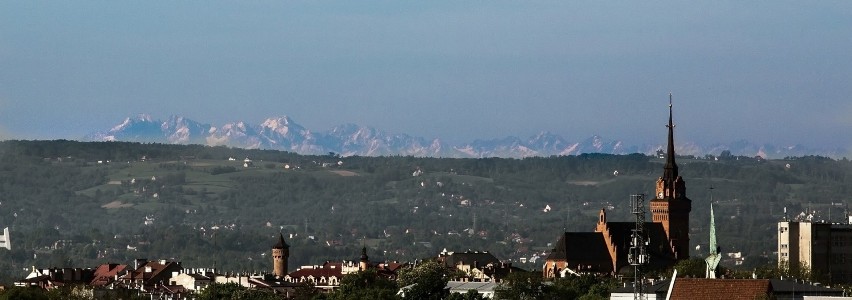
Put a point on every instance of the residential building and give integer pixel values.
(106, 274)
(478, 266)
(486, 289)
(325, 277)
(56, 277)
(148, 275)
(190, 281)
(824, 248)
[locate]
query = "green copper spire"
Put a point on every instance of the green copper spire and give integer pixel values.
(713, 259)
(713, 245)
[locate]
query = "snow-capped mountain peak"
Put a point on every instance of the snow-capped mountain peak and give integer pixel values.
(282, 133)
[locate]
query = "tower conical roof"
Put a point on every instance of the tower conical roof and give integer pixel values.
(364, 254)
(281, 243)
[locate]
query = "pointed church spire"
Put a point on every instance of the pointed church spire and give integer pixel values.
(714, 248)
(670, 173)
(713, 259)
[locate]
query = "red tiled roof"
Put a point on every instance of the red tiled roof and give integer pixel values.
(158, 272)
(393, 266)
(729, 289)
(105, 273)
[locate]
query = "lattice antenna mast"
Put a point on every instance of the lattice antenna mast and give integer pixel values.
(638, 255)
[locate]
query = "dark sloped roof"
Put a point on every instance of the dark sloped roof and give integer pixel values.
(581, 246)
(583, 251)
(788, 286)
(281, 243)
(470, 258)
(659, 287)
(711, 289)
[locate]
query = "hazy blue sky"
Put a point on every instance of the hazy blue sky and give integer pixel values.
(768, 71)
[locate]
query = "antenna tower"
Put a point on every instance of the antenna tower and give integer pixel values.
(638, 255)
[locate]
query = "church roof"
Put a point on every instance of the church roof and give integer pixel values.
(580, 246)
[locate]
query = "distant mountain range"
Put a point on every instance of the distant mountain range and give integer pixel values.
(282, 133)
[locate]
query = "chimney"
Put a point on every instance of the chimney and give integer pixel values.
(139, 262)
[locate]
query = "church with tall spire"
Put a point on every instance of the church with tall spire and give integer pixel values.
(670, 206)
(605, 250)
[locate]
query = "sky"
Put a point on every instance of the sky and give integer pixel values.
(775, 72)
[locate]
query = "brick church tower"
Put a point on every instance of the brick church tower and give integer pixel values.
(280, 255)
(670, 206)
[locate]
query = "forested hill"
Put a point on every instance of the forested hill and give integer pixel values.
(80, 204)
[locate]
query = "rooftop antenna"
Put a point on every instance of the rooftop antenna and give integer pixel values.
(638, 255)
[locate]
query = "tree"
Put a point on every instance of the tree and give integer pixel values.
(365, 285)
(470, 295)
(217, 291)
(24, 293)
(427, 280)
(693, 267)
(255, 294)
(521, 286)
(307, 291)
(70, 292)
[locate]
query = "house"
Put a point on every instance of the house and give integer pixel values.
(56, 277)
(325, 277)
(486, 289)
(190, 281)
(479, 266)
(146, 275)
(170, 292)
(275, 284)
(652, 291)
(106, 274)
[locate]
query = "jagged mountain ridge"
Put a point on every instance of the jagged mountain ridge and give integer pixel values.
(282, 133)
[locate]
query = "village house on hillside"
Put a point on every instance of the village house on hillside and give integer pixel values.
(478, 266)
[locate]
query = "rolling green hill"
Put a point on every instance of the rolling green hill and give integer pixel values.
(80, 204)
